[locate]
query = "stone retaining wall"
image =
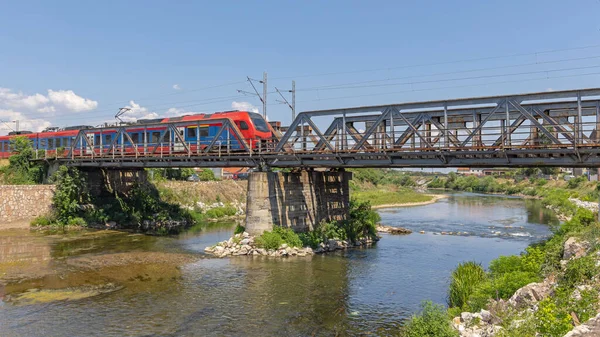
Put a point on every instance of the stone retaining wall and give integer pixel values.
(19, 204)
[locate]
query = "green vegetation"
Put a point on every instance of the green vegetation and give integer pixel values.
(277, 237)
(385, 187)
(361, 223)
(470, 290)
(370, 176)
(239, 229)
(220, 212)
(181, 174)
(390, 197)
(431, 321)
(139, 208)
(464, 279)
(21, 170)
(555, 193)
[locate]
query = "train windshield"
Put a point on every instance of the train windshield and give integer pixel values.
(259, 122)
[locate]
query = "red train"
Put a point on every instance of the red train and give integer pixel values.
(253, 127)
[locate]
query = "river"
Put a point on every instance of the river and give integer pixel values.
(118, 284)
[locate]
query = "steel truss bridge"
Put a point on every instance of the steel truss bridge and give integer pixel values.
(560, 128)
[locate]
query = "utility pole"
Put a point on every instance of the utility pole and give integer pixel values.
(16, 125)
(285, 101)
(264, 82)
(262, 98)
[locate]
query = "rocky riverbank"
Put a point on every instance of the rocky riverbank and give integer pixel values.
(520, 309)
(244, 244)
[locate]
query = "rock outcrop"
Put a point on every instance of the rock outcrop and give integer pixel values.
(393, 230)
(531, 294)
(244, 244)
(591, 328)
(575, 248)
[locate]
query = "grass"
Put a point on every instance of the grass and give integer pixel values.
(389, 196)
(465, 278)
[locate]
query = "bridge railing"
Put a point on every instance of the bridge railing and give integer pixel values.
(488, 131)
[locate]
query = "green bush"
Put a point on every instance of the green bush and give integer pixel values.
(464, 280)
(506, 284)
(578, 271)
(197, 217)
(431, 321)
(239, 229)
(551, 321)
(70, 194)
(288, 236)
(269, 240)
(279, 236)
(437, 183)
(311, 239)
(77, 221)
(43, 221)
(575, 182)
(220, 212)
(21, 170)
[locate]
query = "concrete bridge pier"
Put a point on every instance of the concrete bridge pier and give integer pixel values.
(296, 200)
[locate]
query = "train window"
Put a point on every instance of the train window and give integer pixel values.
(155, 136)
(244, 125)
(259, 122)
(107, 139)
(97, 140)
(50, 143)
(204, 132)
(43, 143)
(66, 142)
(3, 147)
(191, 133)
(135, 137)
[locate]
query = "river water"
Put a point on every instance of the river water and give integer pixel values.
(361, 291)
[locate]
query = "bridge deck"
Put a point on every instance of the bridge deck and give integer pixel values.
(537, 129)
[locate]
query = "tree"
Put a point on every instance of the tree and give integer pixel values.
(21, 169)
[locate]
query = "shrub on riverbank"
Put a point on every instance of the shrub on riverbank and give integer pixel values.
(573, 295)
(463, 282)
(431, 321)
(274, 239)
(361, 223)
(21, 170)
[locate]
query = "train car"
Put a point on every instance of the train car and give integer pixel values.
(198, 134)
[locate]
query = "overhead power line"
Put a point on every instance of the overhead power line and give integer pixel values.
(442, 63)
(452, 79)
(455, 72)
(453, 87)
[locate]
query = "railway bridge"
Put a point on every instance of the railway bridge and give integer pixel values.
(557, 128)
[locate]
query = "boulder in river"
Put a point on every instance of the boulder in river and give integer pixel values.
(393, 230)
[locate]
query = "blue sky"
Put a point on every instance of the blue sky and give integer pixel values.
(77, 62)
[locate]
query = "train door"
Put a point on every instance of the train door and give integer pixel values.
(177, 143)
(90, 137)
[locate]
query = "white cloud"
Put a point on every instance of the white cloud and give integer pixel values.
(72, 102)
(176, 87)
(244, 106)
(136, 112)
(61, 100)
(549, 89)
(25, 123)
(11, 99)
(47, 109)
(34, 111)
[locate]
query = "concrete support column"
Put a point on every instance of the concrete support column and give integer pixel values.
(299, 200)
